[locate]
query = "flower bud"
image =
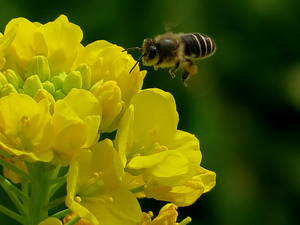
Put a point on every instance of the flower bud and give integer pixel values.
(109, 95)
(49, 87)
(73, 80)
(7, 89)
(2, 61)
(43, 94)
(13, 78)
(39, 66)
(86, 75)
(32, 85)
(3, 80)
(59, 80)
(59, 94)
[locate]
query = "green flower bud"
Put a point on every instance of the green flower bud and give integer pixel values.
(32, 85)
(86, 75)
(49, 87)
(39, 66)
(7, 89)
(59, 94)
(2, 61)
(3, 80)
(59, 80)
(13, 78)
(73, 80)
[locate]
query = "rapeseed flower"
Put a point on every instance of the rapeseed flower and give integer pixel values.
(95, 191)
(167, 216)
(167, 159)
(76, 120)
(58, 98)
(25, 127)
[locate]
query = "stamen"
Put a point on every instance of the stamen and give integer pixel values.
(78, 199)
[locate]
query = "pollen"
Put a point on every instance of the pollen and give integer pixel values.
(98, 175)
(78, 199)
(25, 120)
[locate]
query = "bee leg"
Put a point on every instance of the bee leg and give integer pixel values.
(189, 68)
(185, 77)
(173, 70)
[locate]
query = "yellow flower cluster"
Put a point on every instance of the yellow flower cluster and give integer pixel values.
(57, 98)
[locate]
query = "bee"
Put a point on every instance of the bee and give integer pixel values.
(176, 51)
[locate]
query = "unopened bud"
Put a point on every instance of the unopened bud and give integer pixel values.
(49, 86)
(85, 75)
(73, 80)
(39, 66)
(13, 78)
(32, 85)
(3, 80)
(58, 80)
(59, 94)
(7, 89)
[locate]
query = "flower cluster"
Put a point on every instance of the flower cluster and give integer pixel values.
(58, 100)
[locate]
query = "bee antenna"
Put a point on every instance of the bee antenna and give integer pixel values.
(139, 60)
(132, 48)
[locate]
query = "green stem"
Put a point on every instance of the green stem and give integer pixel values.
(42, 174)
(138, 189)
(11, 191)
(56, 202)
(24, 186)
(11, 214)
(12, 187)
(59, 179)
(15, 169)
(62, 213)
(57, 185)
(73, 221)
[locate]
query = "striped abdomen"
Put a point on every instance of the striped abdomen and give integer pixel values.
(198, 45)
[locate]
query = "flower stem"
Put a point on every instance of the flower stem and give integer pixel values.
(56, 202)
(62, 213)
(11, 214)
(138, 189)
(14, 168)
(12, 187)
(42, 174)
(57, 185)
(73, 221)
(13, 194)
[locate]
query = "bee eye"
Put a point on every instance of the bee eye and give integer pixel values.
(152, 53)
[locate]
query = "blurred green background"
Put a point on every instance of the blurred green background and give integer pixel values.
(244, 105)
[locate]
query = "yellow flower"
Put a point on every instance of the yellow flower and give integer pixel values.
(25, 127)
(4, 43)
(95, 191)
(150, 145)
(167, 216)
(51, 221)
(109, 94)
(36, 56)
(110, 78)
(50, 57)
(108, 62)
(187, 192)
(76, 121)
(59, 41)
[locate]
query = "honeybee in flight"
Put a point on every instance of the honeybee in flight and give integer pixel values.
(176, 51)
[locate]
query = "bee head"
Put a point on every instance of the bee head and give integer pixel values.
(150, 52)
